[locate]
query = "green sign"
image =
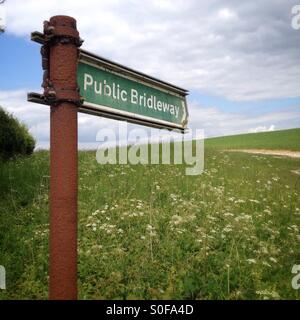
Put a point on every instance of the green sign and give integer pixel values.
(115, 91)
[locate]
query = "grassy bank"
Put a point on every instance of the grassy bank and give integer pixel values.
(277, 140)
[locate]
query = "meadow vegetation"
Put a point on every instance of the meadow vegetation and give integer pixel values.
(151, 232)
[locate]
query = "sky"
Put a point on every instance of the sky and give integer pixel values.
(240, 60)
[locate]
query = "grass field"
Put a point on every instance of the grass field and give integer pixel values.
(151, 232)
(283, 139)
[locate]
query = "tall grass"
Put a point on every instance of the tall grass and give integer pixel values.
(151, 232)
(23, 209)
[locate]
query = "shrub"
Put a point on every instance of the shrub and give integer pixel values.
(15, 138)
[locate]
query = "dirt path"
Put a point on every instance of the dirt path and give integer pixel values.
(282, 153)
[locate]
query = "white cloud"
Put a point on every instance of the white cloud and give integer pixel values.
(226, 14)
(237, 49)
(262, 129)
(216, 122)
(35, 116)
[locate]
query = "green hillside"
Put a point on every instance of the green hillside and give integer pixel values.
(279, 140)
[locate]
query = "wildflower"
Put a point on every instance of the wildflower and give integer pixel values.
(243, 216)
(227, 229)
(151, 230)
(176, 220)
(149, 227)
(95, 213)
(293, 228)
(190, 217)
(265, 263)
(211, 218)
(173, 197)
(273, 259)
(97, 247)
(251, 261)
(268, 294)
(264, 250)
(267, 211)
(228, 214)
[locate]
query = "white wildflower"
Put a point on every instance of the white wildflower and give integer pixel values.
(251, 261)
(176, 220)
(265, 263)
(228, 214)
(273, 259)
(254, 201)
(95, 213)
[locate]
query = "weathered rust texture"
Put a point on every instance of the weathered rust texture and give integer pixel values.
(63, 53)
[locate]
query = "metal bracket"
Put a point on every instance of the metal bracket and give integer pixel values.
(41, 38)
(38, 37)
(51, 36)
(36, 98)
(41, 99)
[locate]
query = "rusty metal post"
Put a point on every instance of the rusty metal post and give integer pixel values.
(60, 88)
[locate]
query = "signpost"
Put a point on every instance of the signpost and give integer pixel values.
(115, 91)
(78, 81)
